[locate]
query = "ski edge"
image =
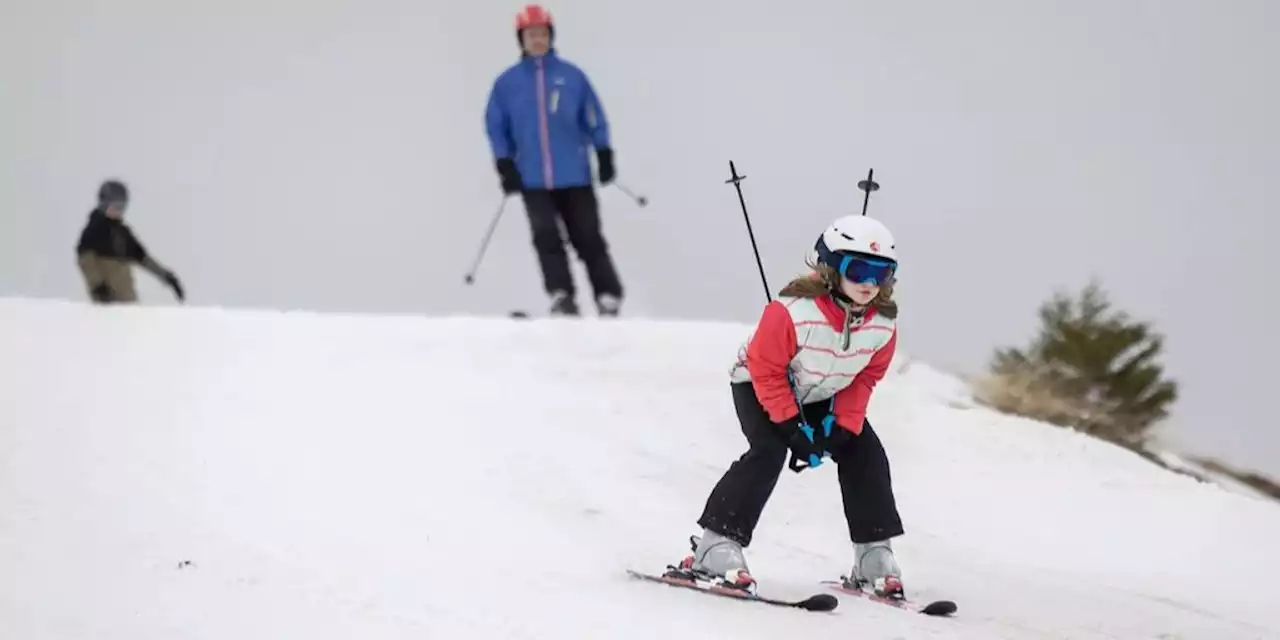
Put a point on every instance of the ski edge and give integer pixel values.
(934, 608)
(819, 602)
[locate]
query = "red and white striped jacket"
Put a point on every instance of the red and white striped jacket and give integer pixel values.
(809, 338)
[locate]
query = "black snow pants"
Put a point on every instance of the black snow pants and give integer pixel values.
(579, 211)
(733, 509)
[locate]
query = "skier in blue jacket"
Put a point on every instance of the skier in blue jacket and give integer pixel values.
(542, 116)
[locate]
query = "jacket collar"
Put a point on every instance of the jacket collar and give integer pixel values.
(99, 215)
(550, 56)
(842, 315)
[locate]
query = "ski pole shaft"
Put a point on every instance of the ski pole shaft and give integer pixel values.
(484, 244)
(736, 181)
(796, 464)
(640, 200)
(867, 187)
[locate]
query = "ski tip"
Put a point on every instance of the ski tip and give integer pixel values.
(819, 602)
(939, 608)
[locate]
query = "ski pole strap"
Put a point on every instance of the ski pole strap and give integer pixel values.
(797, 464)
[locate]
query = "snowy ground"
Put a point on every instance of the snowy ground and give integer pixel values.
(195, 473)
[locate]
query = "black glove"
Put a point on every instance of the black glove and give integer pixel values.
(510, 175)
(173, 283)
(101, 293)
(604, 158)
(805, 443)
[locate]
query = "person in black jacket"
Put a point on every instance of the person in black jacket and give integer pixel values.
(108, 249)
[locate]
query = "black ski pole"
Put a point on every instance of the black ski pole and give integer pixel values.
(484, 244)
(640, 200)
(867, 187)
(736, 181)
(796, 464)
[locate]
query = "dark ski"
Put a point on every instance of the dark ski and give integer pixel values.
(821, 602)
(934, 608)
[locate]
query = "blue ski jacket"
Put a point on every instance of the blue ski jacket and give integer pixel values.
(543, 113)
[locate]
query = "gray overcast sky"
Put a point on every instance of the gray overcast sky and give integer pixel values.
(331, 155)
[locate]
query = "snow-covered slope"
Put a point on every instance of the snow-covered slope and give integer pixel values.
(201, 473)
(1206, 474)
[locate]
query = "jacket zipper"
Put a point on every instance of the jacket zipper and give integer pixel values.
(544, 131)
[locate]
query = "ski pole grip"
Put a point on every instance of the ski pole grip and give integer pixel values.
(797, 464)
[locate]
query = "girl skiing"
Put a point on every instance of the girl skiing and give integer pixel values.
(801, 384)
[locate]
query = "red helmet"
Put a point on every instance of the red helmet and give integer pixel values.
(533, 15)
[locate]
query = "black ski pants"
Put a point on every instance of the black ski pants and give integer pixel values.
(733, 509)
(579, 211)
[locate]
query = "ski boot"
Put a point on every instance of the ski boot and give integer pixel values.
(608, 305)
(715, 559)
(563, 304)
(876, 571)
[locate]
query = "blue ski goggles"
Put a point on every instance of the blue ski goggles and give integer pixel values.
(857, 268)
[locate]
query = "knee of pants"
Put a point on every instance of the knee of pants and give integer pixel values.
(862, 449)
(546, 239)
(590, 244)
(548, 245)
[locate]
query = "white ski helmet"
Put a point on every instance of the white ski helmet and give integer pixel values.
(859, 248)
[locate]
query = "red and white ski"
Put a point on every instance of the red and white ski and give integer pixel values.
(817, 602)
(934, 608)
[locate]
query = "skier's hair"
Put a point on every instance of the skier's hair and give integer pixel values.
(823, 280)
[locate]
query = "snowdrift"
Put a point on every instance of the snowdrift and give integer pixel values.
(206, 473)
